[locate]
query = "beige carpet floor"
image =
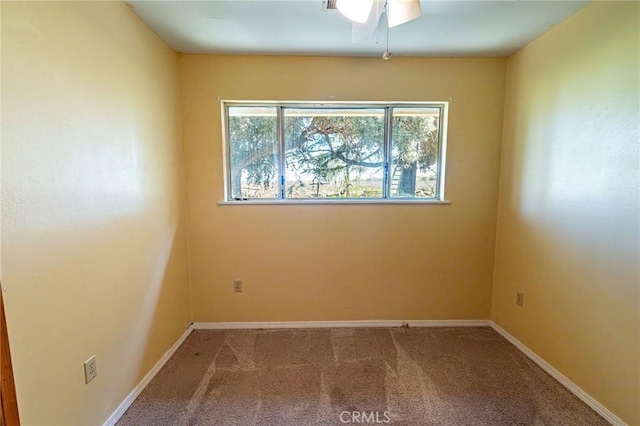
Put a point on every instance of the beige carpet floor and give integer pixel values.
(399, 376)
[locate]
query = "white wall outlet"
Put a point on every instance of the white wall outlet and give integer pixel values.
(90, 369)
(520, 298)
(237, 286)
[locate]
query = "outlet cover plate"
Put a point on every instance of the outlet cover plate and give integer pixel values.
(90, 369)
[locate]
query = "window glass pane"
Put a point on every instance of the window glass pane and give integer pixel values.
(414, 152)
(253, 152)
(334, 153)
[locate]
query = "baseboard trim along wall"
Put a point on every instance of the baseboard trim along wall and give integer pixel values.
(113, 419)
(564, 381)
(339, 324)
(573, 388)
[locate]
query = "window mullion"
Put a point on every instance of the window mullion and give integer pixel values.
(281, 164)
(386, 190)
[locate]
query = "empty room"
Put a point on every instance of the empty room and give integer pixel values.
(320, 212)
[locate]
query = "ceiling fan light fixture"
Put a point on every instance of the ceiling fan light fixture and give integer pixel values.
(402, 11)
(355, 10)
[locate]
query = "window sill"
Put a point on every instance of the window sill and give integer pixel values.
(317, 201)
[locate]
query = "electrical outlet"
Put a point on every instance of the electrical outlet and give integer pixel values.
(520, 298)
(237, 286)
(90, 369)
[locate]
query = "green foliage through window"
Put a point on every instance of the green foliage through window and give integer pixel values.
(342, 151)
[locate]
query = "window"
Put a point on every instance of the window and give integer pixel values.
(341, 151)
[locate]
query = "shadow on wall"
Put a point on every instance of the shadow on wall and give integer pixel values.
(108, 288)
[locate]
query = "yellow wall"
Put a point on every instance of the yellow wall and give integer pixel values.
(568, 226)
(94, 236)
(345, 262)
(94, 257)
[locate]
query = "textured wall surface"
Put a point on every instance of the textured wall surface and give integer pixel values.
(568, 227)
(345, 262)
(94, 257)
(94, 236)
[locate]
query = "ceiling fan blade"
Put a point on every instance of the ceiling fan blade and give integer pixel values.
(402, 11)
(356, 10)
(362, 31)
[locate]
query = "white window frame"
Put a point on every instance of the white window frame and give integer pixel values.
(443, 106)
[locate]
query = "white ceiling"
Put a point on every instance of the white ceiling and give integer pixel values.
(304, 27)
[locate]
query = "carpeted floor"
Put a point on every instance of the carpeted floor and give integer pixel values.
(399, 376)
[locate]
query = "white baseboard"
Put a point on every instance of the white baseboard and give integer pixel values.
(564, 381)
(113, 419)
(339, 324)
